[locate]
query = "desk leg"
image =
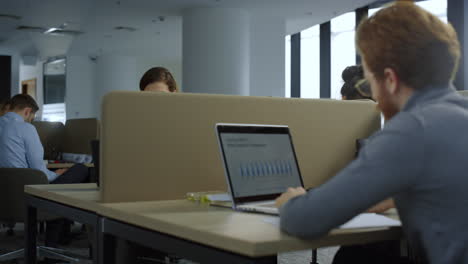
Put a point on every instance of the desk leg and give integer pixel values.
(106, 247)
(96, 241)
(31, 235)
(314, 257)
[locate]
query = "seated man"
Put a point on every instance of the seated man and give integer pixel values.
(419, 158)
(20, 146)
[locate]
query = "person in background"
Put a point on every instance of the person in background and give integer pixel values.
(410, 58)
(4, 106)
(20, 146)
(158, 79)
(355, 87)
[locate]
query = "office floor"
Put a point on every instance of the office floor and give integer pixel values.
(79, 246)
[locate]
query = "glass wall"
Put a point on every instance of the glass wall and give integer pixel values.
(54, 90)
(288, 67)
(343, 51)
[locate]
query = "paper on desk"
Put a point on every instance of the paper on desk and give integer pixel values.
(365, 220)
(369, 220)
(220, 197)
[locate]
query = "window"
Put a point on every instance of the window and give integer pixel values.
(288, 67)
(310, 62)
(436, 7)
(343, 51)
(54, 90)
(54, 113)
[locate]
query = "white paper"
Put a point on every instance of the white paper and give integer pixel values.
(365, 220)
(221, 197)
(370, 220)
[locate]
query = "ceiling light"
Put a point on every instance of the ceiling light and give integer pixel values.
(8, 16)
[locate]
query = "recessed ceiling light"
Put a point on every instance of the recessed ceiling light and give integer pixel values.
(125, 28)
(8, 16)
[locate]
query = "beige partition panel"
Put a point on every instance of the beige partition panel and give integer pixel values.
(78, 135)
(161, 146)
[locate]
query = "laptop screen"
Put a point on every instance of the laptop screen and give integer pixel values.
(260, 161)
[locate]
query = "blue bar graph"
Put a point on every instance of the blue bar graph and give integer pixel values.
(255, 169)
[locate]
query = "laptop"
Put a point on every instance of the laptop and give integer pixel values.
(260, 163)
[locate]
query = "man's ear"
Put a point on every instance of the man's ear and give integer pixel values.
(392, 83)
(27, 111)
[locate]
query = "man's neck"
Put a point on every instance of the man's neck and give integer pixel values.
(404, 96)
(20, 113)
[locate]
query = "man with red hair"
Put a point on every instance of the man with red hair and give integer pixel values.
(420, 158)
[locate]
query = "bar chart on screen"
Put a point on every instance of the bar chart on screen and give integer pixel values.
(255, 169)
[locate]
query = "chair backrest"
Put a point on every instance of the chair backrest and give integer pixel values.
(78, 134)
(51, 135)
(12, 204)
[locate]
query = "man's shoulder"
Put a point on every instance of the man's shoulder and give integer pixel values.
(405, 121)
(18, 127)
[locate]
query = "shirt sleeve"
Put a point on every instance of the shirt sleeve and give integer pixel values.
(390, 163)
(35, 152)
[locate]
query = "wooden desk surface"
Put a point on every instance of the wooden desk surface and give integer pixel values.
(243, 233)
(85, 195)
(65, 165)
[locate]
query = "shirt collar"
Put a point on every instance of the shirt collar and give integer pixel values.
(13, 116)
(427, 94)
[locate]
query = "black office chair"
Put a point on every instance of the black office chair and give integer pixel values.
(12, 209)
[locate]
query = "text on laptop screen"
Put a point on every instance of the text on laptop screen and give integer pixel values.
(259, 164)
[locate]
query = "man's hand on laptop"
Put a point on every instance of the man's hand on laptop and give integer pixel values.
(382, 206)
(288, 195)
(60, 171)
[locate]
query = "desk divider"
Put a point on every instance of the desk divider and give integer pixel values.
(157, 146)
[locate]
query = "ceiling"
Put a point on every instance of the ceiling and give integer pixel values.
(160, 18)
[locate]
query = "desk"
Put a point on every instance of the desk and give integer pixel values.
(65, 165)
(207, 234)
(73, 201)
(190, 230)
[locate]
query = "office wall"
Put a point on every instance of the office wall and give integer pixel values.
(267, 56)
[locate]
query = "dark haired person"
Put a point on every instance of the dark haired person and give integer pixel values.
(419, 158)
(355, 87)
(20, 146)
(158, 79)
(4, 107)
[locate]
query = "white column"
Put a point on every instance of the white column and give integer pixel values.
(114, 72)
(267, 60)
(216, 51)
(80, 97)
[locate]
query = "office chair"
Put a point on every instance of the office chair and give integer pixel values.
(12, 208)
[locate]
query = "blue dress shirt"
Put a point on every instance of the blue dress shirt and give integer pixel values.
(20, 146)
